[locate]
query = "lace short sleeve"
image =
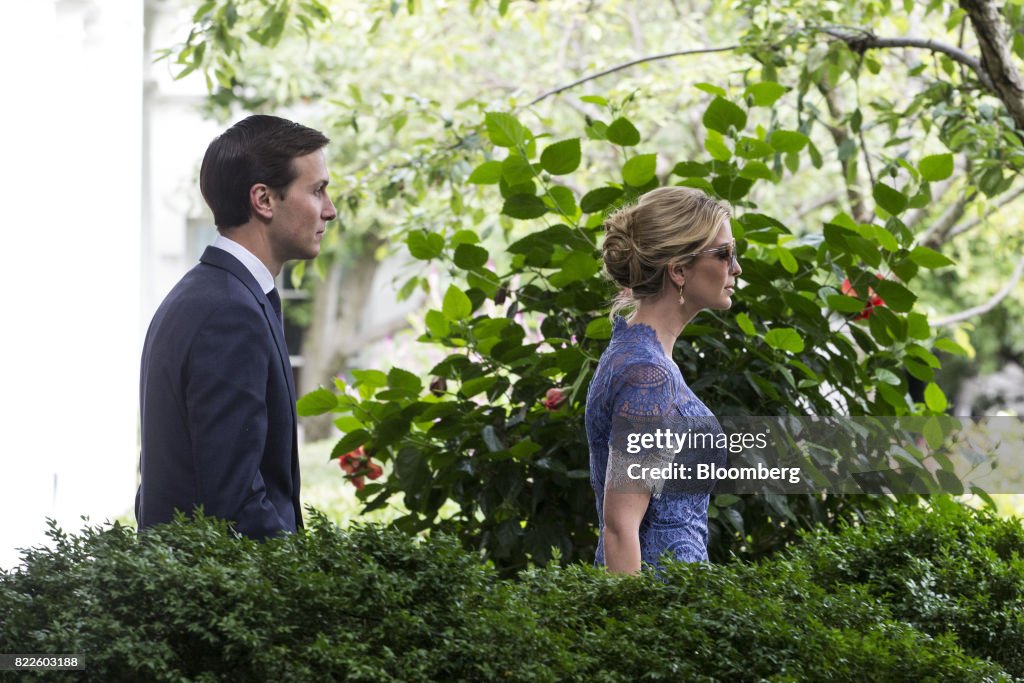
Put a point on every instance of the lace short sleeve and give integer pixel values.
(645, 395)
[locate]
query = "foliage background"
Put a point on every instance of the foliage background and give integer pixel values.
(900, 149)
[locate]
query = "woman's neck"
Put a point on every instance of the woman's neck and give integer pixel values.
(666, 317)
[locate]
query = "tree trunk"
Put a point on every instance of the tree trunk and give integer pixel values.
(996, 57)
(338, 322)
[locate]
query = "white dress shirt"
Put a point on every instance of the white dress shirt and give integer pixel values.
(252, 264)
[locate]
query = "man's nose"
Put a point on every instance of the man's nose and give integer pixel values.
(331, 213)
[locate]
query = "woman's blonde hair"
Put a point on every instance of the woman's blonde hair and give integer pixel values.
(643, 240)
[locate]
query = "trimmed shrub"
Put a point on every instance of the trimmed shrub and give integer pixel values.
(950, 570)
(188, 601)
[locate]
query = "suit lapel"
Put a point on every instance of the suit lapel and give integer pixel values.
(222, 259)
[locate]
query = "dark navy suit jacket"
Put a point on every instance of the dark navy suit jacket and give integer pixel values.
(218, 405)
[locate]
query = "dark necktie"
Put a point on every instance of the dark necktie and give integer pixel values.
(275, 301)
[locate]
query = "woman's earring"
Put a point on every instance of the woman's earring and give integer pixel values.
(682, 300)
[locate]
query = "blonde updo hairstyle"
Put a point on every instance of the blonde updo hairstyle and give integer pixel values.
(644, 240)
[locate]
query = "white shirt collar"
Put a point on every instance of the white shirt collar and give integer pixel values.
(252, 264)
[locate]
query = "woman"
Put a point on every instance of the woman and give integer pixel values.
(673, 255)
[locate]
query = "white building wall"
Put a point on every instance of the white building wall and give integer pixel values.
(71, 176)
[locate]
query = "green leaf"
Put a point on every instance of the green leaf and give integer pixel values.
(929, 258)
(317, 402)
(477, 385)
(203, 9)
(456, 305)
(464, 237)
(754, 170)
(786, 259)
(691, 169)
(893, 397)
(470, 256)
(622, 132)
(639, 170)
(524, 206)
(347, 423)
(404, 380)
(752, 148)
(765, 94)
(746, 324)
(845, 304)
(934, 398)
(516, 170)
(424, 245)
(721, 115)
(370, 378)
(787, 141)
(504, 130)
(710, 89)
(577, 266)
(896, 296)
(562, 157)
(936, 167)
(785, 339)
(350, 442)
(560, 199)
(950, 346)
(890, 199)
(437, 324)
(600, 199)
(885, 238)
(487, 173)
(918, 369)
(917, 326)
(599, 328)
(716, 146)
(887, 376)
(729, 188)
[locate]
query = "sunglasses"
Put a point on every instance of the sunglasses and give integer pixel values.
(725, 252)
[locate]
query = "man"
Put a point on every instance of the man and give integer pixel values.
(217, 392)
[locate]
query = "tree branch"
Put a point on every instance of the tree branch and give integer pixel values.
(626, 65)
(971, 224)
(939, 191)
(820, 203)
(839, 136)
(860, 40)
(988, 305)
(938, 232)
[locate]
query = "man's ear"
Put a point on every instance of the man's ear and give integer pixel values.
(259, 200)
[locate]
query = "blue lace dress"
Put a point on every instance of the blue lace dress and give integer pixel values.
(635, 379)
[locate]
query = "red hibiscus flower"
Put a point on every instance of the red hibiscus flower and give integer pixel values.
(352, 461)
(873, 299)
(374, 470)
(358, 466)
(554, 398)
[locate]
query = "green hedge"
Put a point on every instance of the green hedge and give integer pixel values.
(928, 595)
